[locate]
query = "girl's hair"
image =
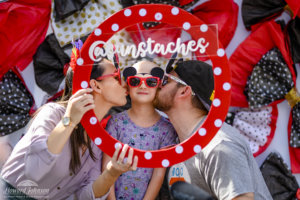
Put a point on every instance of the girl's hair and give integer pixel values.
(77, 137)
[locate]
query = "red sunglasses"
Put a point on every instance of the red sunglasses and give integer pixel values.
(117, 76)
(136, 81)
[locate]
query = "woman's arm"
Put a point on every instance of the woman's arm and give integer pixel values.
(114, 169)
(105, 160)
(155, 183)
(246, 196)
(78, 104)
(48, 135)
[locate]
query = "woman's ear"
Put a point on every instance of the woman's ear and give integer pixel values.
(95, 86)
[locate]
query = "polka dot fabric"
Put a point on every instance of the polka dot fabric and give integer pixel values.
(229, 118)
(270, 80)
(83, 22)
(295, 129)
(254, 124)
(15, 104)
(169, 2)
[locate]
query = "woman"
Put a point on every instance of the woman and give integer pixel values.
(141, 127)
(56, 158)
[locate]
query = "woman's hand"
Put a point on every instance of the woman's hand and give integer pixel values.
(79, 104)
(118, 165)
(114, 168)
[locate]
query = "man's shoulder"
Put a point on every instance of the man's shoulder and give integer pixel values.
(227, 138)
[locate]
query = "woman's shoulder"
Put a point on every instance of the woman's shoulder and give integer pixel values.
(54, 105)
(51, 109)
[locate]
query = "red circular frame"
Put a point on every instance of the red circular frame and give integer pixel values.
(222, 77)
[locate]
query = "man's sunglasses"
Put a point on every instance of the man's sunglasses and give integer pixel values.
(116, 75)
(174, 78)
(136, 81)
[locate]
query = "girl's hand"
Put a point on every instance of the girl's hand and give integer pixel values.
(79, 104)
(118, 165)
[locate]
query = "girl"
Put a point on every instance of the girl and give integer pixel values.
(56, 156)
(141, 127)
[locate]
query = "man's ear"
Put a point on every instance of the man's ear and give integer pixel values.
(95, 86)
(185, 91)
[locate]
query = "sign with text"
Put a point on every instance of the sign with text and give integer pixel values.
(181, 32)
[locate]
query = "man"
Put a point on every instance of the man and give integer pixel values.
(225, 168)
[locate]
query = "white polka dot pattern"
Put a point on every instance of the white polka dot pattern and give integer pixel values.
(197, 148)
(98, 141)
(84, 84)
(15, 104)
(295, 129)
(186, 26)
(148, 155)
(93, 120)
(165, 163)
(253, 124)
(270, 80)
(79, 61)
(202, 132)
(179, 149)
(127, 12)
(203, 27)
(98, 32)
(175, 11)
(142, 12)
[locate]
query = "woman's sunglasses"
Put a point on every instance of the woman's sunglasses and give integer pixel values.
(136, 81)
(116, 75)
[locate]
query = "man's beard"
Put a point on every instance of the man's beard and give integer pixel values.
(165, 103)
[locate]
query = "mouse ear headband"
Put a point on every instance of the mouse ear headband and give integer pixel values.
(131, 71)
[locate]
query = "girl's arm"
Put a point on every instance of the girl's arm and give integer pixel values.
(105, 161)
(114, 169)
(155, 183)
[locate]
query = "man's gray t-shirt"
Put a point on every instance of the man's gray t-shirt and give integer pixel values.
(225, 168)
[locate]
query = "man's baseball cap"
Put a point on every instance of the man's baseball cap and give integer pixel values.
(198, 75)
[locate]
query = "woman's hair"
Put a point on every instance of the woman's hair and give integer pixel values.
(77, 137)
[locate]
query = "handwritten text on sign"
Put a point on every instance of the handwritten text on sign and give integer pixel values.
(96, 52)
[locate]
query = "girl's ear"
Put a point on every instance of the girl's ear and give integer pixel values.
(95, 86)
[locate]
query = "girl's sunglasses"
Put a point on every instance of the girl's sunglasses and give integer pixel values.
(116, 75)
(136, 81)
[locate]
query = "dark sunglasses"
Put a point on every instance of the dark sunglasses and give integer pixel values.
(135, 81)
(116, 75)
(174, 78)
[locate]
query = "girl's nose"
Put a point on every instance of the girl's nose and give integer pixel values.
(143, 85)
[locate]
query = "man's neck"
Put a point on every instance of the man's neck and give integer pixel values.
(185, 121)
